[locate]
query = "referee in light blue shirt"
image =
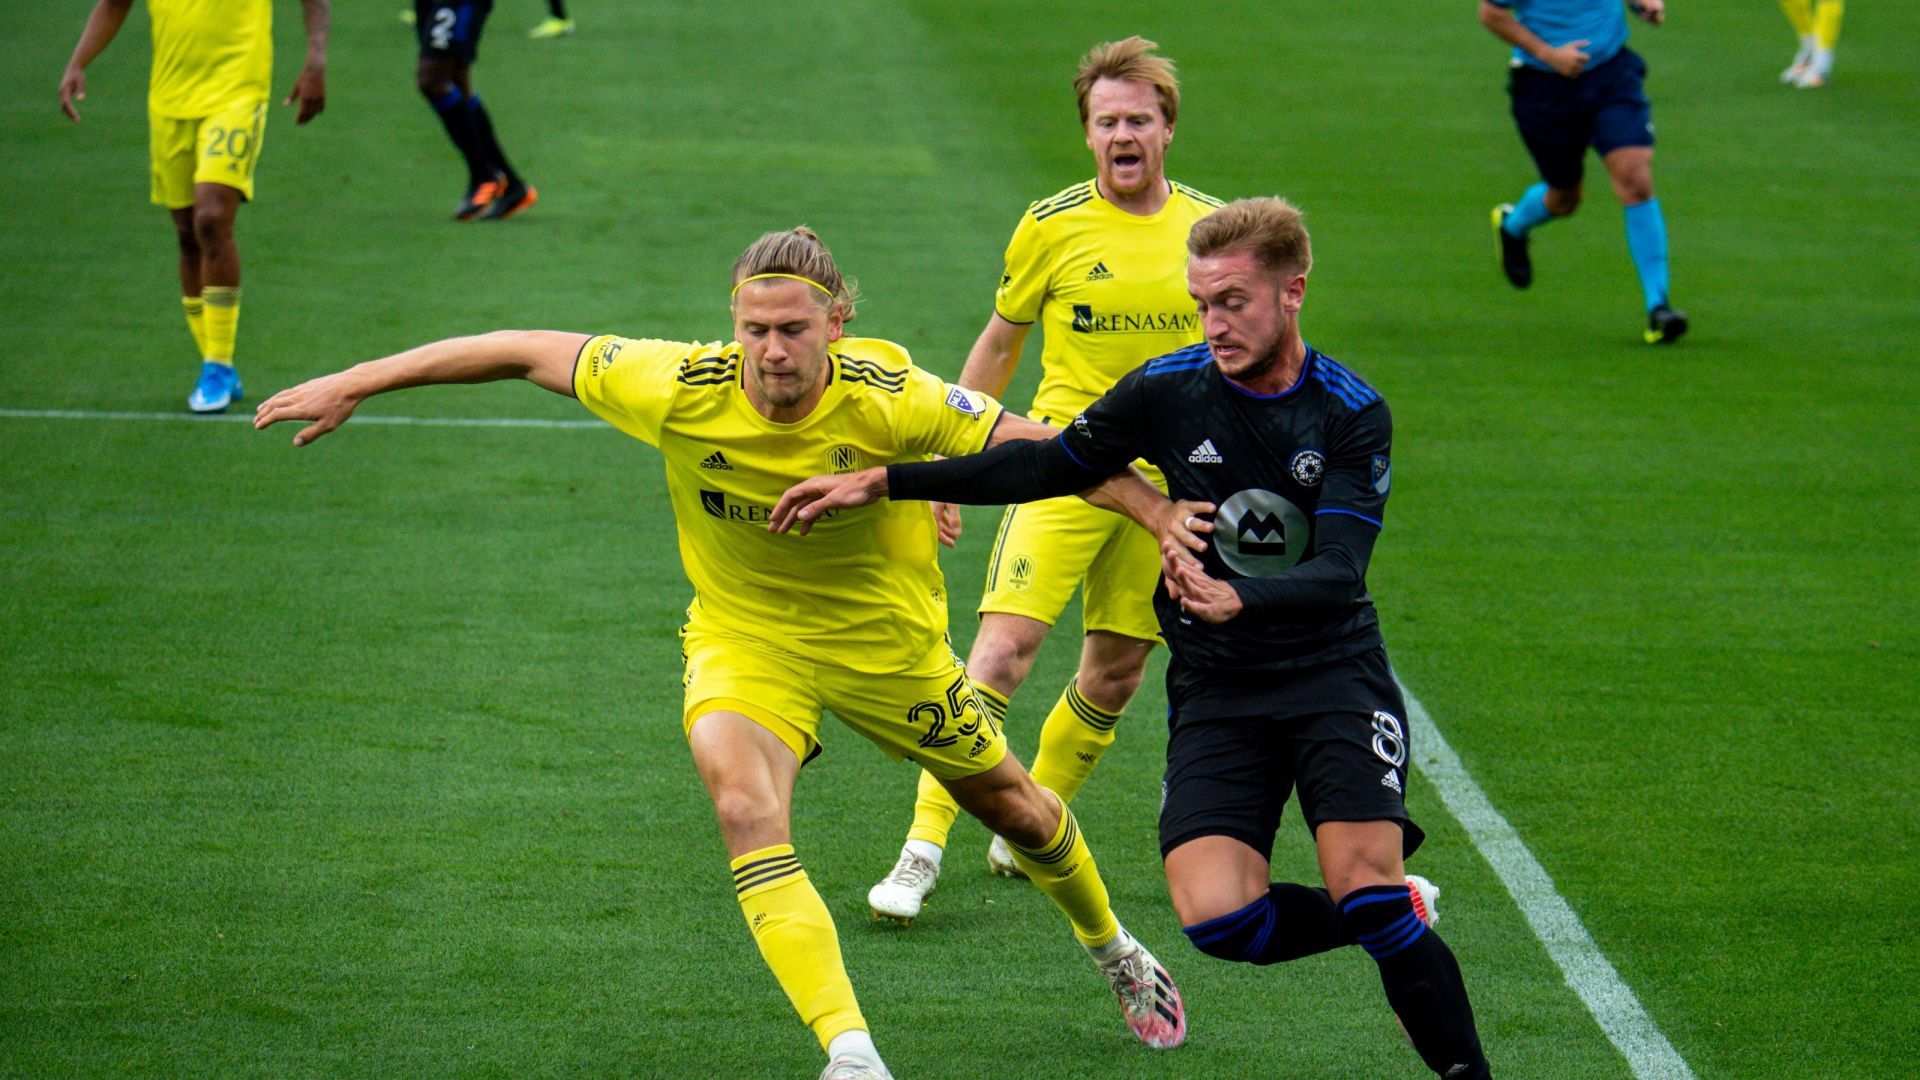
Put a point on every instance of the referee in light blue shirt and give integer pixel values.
(1575, 84)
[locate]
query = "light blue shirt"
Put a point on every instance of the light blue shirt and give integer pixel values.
(1602, 23)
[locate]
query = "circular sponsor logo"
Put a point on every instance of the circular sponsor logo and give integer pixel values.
(1307, 467)
(1260, 533)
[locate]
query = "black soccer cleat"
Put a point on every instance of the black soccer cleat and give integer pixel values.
(516, 196)
(1513, 249)
(1665, 325)
(478, 197)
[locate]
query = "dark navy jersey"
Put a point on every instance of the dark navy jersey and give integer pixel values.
(1274, 465)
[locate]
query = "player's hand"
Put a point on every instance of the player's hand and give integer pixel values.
(327, 401)
(803, 503)
(1654, 11)
(946, 522)
(1181, 526)
(1569, 59)
(1198, 593)
(73, 87)
(310, 90)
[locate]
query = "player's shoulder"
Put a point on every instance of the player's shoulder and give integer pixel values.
(871, 363)
(1063, 201)
(1192, 358)
(1203, 202)
(1340, 382)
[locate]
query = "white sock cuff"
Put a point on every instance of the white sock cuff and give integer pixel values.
(926, 849)
(855, 1043)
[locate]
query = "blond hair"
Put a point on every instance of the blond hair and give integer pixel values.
(1272, 228)
(800, 253)
(1131, 60)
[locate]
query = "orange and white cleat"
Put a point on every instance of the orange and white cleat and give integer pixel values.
(1147, 996)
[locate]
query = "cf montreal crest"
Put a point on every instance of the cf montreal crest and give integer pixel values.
(1307, 467)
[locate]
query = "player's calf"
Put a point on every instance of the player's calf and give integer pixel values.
(1421, 978)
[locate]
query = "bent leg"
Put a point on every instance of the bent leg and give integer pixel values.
(1229, 910)
(1080, 728)
(1046, 844)
(749, 773)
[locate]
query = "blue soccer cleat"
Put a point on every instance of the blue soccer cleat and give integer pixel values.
(219, 387)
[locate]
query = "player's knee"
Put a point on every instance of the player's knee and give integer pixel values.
(212, 227)
(1111, 686)
(1562, 201)
(433, 81)
(745, 814)
(1001, 660)
(1240, 936)
(1635, 189)
(183, 234)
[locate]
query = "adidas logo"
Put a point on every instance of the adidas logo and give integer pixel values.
(716, 460)
(1205, 454)
(1392, 780)
(1099, 272)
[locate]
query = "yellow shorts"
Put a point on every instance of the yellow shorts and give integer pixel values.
(217, 149)
(926, 714)
(1045, 549)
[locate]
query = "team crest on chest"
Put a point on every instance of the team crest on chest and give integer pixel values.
(844, 459)
(1307, 466)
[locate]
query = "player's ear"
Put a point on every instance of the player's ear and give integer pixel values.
(1294, 293)
(836, 327)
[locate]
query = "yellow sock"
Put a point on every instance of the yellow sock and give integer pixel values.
(1800, 14)
(795, 934)
(196, 310)
(221, 322)
(1826, 23)
(933, 809)
(1076, 733)
(1064, 870)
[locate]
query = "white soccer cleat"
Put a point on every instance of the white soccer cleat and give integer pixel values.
(902, 893)
(848, 1067)
(1423, 893)
(1148, 997)
(1800, 61)
(1000, 859)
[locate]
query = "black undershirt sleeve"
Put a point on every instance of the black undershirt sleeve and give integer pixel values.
(1016, 471)
(1333, 578)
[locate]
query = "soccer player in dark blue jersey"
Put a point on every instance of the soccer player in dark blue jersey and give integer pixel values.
(1279, 680)
(1576, 84)
(449, 33)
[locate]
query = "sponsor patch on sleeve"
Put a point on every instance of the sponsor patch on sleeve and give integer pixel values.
(965, 401)
(602, 357)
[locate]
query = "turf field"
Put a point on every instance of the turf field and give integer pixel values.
(364, 759)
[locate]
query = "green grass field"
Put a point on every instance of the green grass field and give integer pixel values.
(364, 759)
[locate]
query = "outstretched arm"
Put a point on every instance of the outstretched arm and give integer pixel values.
(542, 357)
(102, 25)
(310, 90)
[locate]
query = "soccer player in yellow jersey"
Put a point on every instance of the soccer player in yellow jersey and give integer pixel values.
(1102, 267)
(207, 112)
(852, 618)
(1818, 25)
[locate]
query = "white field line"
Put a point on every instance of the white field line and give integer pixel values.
(358, 421)
(1585, 967)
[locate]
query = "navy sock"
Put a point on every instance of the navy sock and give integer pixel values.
(1289, 922)
(454, 115)
(1420, 976)
(490, 146)
(558, 7)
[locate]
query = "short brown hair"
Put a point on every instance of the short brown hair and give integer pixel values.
(799, 251)
(1272, 228)
(1132, 60)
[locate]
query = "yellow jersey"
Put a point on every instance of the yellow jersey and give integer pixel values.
(1108, 287)
(864, 589)
(208, 54)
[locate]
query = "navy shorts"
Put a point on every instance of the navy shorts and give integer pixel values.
(451, 28)
(1605, 108)
(1335, 734)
